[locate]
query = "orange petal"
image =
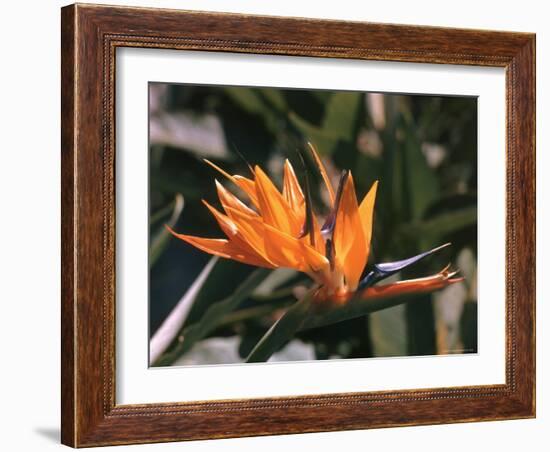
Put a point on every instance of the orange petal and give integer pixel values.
(282, 249)
(413, 286)
(217, 168)
(319, 241)
(227, 225)
(287, 251)
(253, 228)
(245, 184)
(220, 247)
(323, 172)
(349, 241)
(366, 212)
(228, 199)
(239, 235)
(248, 186)
(273, 207)
(292, 192)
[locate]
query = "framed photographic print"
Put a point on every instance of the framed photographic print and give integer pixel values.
(282, 225)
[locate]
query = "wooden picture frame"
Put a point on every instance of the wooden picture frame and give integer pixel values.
(90, 36)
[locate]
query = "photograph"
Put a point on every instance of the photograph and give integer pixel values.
(292, 224)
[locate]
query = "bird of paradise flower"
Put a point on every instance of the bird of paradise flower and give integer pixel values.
(280, 229)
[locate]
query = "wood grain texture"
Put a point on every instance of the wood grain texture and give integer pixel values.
(67, 227)
(90, 36)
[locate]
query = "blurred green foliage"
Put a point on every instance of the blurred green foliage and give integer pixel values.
(422, 149)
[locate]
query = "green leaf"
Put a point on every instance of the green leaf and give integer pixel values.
(162, 213)
(160, 239)
(420, 180)
(173, 323)
(339, 123)
(275, 98)
(246, 98)
(263, 103)
(306, 314)
(275, 279)
(468, 327)
(341, 115)
(331, 312)
(212, 318)
(282, 330)
(421, 338)
(218, 287)
(388, 331)
(168, 183)
(261, 310)
(321, 95)
(320, 137)
(441, 225)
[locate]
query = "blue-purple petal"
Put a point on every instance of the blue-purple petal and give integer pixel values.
(386, 269)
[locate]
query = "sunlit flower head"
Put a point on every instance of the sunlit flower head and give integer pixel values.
(280, 229)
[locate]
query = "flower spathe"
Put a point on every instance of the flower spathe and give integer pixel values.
(279, 229)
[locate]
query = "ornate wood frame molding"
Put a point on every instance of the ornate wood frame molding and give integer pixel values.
(90, 37)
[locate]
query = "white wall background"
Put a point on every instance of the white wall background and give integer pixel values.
(30, 212)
